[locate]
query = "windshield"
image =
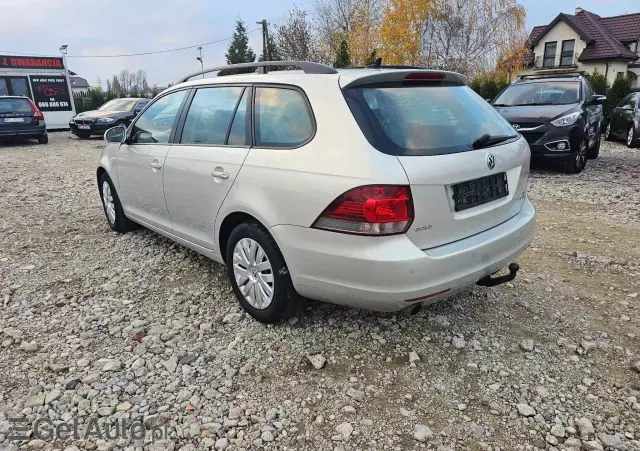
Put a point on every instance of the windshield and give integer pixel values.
(540, 93)
(118, 105)
(424, 120)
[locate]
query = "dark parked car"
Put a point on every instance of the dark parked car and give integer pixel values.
(20, 117)
(625, 121)
(560, 117)
(114, 112)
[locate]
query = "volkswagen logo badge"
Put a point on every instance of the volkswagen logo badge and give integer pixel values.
(491, 161)
(516, 126)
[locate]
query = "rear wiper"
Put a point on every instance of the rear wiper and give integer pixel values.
(487, 140)
(500, 104)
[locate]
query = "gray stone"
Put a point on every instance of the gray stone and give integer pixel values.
(635, 366)
(344, 430)
(35, 401)
(52, 396)
(458, 342)
(413, 357)
(267, 436)
(592, 445)
(29, 346)
(526, 410)
(232, 318)
(612, 441)
(585, 427)
(422, 433)
(317, 361)
(527, 345)
(557, 430)
(355, 394)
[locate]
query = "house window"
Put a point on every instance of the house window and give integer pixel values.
(549, 54)
(566, 59)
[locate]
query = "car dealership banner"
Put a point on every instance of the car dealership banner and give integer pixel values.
(50, 93)
(30, 62)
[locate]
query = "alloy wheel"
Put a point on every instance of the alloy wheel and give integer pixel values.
(253, 273)
(109, 206)
(607, 132)
(581, 157)
(630, 136)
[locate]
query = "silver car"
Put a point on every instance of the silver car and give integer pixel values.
(377, 188)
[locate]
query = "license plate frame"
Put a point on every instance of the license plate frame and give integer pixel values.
(480, 191)
(84, 127)
(13, 120)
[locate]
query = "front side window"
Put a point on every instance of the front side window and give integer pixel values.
(118, 105)
(155, 124)
(566, 59)
(550, 54)
(210, 115)
(424, 120)
(283, 118)
(540, 93)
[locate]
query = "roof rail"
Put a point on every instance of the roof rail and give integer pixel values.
(307, 66)
(553, 74)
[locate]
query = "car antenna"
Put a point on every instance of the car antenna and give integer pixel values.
(377, 64)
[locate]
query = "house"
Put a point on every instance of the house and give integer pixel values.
(587, 42)
(79, 85)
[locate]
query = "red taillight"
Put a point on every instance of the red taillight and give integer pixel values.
(37, 114)
(369, 210)
(431, 76)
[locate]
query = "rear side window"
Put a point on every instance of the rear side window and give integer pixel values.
(210, 115)
(283, 118)
(15, 106)
(424, 120)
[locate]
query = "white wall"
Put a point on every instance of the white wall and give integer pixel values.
(560, 32)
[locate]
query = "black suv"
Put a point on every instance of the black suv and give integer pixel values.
(625, 121)
(21, 118)
(114, 112)
(560, 116)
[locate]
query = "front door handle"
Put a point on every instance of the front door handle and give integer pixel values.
(220, 174)
(156, 165)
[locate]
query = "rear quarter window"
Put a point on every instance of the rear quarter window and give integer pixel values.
(283, 118)
(423, 120)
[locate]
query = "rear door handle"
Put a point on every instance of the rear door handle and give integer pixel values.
(156, 165)
(220, 175)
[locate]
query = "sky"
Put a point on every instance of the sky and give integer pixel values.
(113, 27)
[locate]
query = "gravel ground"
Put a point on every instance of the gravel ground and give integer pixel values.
(133, 327)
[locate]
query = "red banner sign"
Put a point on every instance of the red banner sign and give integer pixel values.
(30, 62)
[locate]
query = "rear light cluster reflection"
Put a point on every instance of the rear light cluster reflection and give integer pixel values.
(37, 114)
(369, 210)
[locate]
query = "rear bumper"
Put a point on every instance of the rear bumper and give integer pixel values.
(383, 273)
(34, 131)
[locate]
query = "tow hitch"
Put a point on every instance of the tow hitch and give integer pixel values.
(492, 282)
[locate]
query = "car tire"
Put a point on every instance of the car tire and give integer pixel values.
(594, 152)
(254, 262)
(113, 207)
(632, 139)
(578, 159)
(43, 139)
(607, 133)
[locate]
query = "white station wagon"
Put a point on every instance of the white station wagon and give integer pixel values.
(379, 188)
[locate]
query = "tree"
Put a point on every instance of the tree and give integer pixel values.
(401, 30)
(334, 20)
(239, 51)
(372, 58)
(295, 39)
(343, 59)
(599, 83)
(471, 36)
(364, 36)
(620, 88)
(273, 52)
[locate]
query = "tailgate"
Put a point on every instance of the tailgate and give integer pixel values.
(16, 113)
(482, 204)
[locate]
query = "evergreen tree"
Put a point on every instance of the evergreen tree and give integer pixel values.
(239, 50)
(343, 59)
(620, 88)
(273, 52)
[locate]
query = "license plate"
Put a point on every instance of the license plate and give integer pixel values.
(14, 119)
(84, 127)
(480, 191)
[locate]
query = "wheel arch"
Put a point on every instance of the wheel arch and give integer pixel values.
(230, 222)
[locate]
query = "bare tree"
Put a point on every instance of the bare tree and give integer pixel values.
(334, 20)
(294, 39)
(469, 36)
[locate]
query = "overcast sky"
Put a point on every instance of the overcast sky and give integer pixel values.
(93, 27)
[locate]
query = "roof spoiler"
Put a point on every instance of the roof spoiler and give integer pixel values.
(306, 66)
(553, 74)
(399, 75)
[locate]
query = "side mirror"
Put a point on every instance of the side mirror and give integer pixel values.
(597, 100)
(137, 111)
(116, 134)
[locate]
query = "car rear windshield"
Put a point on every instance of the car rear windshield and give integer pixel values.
(15, 106)
(540, 93)
(420, 120)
